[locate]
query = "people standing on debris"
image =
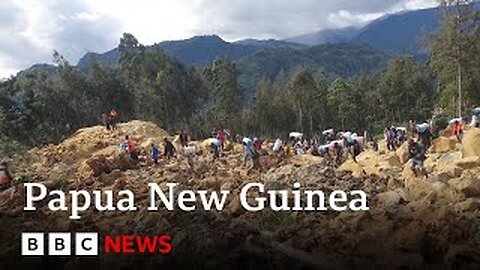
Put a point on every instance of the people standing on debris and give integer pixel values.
(327, 136)
(155, 153)
(375, 145)
(190, 152)
(112, 118)
(337, 154)
(457, 129)
(354, 148)
(183, 138)
(475, 121)
(277, 146)
(400, 136)
(424, 134)
(257, 144)
(287, 150)
(256, 159)
(238, 138)
(247, 150)
(306, 145)
(390, 137)
(5, 176)
(475, 118)
(105, 121)
(417, 153)
(221, 137)
(132, 148)
(323, 151)
(169, 149)
(215, 146)
(412, 128)
(299, 147)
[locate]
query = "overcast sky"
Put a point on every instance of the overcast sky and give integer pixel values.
(31, 29)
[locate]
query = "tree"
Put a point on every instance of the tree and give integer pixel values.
(304, 93)
(225, 97)
(342, 101)
(406, 91)
(322, 111)
(369, 99)
(110, 92)
(455, 53)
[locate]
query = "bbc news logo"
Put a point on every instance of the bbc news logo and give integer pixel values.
(86, 244)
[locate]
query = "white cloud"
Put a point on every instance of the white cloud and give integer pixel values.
(417, 4)
(344, 18)
(31, 29)
(35, 28)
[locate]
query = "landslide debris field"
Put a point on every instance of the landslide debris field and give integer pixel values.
(413, 223)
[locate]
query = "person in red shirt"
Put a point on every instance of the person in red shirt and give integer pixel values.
(112, 117)
(457, 130)
(257, 144)
(131, 148)
(113, 113)
(221, 137)
(5, 176)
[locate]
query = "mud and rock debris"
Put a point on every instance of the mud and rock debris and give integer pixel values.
(413, 222)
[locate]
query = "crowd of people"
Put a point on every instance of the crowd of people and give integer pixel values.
(130, 146)
(395, 137)
(335, 147)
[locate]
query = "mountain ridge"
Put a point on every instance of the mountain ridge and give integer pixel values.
(397, 33)
(195, 51)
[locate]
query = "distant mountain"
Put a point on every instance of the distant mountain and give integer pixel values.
(202, 50)
(195, 51)
(344, 59)
(326, 36)
(268, 43)
(43, 67)
(404, 33)
(257, 58)
(401, 33)
(109, 59)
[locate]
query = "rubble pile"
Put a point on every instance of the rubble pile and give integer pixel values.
(412, 223)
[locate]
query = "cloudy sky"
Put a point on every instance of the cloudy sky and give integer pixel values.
(31, 29)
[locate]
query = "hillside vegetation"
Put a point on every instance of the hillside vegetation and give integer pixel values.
(341, 86)
(412, 223)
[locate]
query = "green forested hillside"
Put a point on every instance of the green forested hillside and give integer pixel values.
(195, 51)
(340, 86)
(255, 59)
(334, 60)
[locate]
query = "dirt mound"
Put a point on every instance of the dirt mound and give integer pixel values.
(402, 153)
(371, 162)
(91, 142)
(413, 222)
(443, 145)
(471, 143)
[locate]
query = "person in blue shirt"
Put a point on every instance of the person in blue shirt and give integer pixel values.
(155, 153)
